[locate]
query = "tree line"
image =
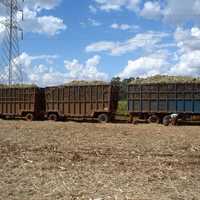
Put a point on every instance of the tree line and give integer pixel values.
(122, 84)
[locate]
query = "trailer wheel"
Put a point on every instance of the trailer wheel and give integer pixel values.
(134, 122)
(103, 118)
(154, 119)
(29, 117)
(166, 120)
(53, 117)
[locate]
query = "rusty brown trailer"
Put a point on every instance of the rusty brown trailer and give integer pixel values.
(21, 102)
(81, 101)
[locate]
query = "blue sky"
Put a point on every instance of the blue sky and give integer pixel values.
(98, 39)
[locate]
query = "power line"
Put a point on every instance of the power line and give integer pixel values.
(11, 69)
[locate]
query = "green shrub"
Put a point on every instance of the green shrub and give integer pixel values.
(122, 108)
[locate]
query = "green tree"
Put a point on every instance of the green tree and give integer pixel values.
(123, 85)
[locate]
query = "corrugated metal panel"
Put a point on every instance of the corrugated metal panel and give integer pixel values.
(15, 101)
(81, 101)
(168, 98)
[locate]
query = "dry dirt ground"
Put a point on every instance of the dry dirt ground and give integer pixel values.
(90, 161)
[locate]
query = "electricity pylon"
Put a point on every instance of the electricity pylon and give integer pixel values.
(11, 71)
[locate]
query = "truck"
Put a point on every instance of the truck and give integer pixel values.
(21, 102)
(97, 101)
(164, 102)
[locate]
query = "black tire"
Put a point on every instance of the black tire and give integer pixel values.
(154, 119)
(29, 117)
(53, 117)
(166, 120)
(103, 118)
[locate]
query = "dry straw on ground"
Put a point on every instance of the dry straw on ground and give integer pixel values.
(83, 161)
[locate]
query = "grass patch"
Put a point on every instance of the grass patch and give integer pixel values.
(122, 108)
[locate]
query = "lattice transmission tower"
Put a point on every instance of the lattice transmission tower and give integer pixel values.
(10, 69)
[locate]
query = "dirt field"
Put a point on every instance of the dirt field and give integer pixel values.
(71, 161)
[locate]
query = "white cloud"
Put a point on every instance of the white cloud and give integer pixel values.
(37, 23)
(171, 11)
(39, 74)
(94, 22)
(188, 65)
(48, 25)
(188, 44)
(2, 28)
(87, 71)
(2, 10)
(39, 5)
(146, 66)
(124, 27)
(146, 41)
(184, 61)
(91, 23)
(195, 32)
(177, 12)
(92, 9)
(100, 46)
(109, 5)
(151, 10)
(41, 70)
(187, 39)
